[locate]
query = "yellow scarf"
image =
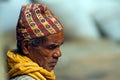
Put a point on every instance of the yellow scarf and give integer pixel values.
(19, 65)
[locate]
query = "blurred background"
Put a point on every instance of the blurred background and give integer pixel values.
(92, 37)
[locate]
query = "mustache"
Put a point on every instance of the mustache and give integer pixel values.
(53, 60)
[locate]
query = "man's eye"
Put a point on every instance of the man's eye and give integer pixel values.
(52, 47)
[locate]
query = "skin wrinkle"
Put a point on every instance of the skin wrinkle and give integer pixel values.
(47, 54)
(39, 36)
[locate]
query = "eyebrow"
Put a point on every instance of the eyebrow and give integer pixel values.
(57, 44)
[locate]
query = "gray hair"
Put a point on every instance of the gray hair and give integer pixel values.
(33, 42)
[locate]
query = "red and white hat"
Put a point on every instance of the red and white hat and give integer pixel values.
(35, 21)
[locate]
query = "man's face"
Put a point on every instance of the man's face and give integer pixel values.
(47, 54)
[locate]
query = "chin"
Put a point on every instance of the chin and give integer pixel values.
(50, 69)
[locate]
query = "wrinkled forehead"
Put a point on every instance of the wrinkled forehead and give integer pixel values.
(56, 38)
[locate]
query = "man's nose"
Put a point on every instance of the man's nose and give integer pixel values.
(57, 53)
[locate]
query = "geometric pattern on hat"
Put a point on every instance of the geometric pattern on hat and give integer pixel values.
(36, 20)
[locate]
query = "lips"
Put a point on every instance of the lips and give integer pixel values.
(52, 63)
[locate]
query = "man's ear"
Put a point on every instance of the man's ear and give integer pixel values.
(25, 47)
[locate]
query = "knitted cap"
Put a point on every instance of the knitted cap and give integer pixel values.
(35, 21)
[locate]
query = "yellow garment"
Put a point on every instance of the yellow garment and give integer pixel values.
(19, 65)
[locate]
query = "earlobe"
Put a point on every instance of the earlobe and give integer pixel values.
(25, 47)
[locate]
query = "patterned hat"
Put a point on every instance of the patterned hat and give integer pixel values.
(35, 21)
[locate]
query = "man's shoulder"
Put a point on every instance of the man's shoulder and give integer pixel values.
(23, 77)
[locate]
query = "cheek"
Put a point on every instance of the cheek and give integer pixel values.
(35, 54)
(46, 52)
(43, 54)
(39, 57)
(40, 54)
